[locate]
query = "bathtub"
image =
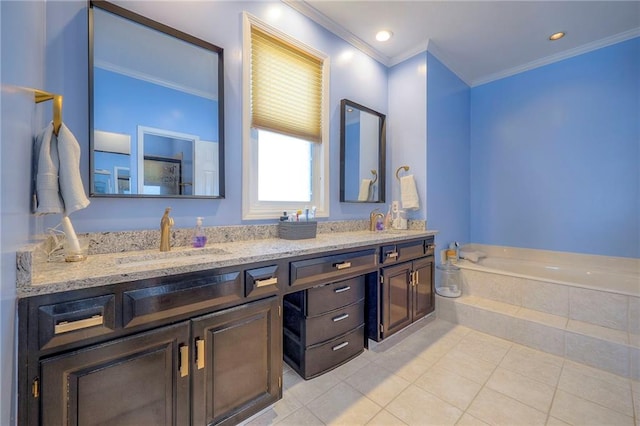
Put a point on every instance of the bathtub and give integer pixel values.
(585, 308)
(603, 273)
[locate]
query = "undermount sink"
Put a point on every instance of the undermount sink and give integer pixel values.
(151, 257)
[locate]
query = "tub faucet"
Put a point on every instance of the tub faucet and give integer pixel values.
(373, 218)
(165, 228)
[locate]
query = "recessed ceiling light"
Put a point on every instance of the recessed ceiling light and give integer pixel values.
(557, 36)
(383, 35)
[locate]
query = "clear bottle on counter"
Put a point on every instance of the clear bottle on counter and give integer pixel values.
(199, 239)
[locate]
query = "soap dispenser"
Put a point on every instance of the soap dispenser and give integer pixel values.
(199, 239)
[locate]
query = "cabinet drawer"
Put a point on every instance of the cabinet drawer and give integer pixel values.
(75, 320)
(401, 252)
(335, 323)
(388, 254)
(186, 294)
(333, 353)
(263, 281)
(333, 296)
(325, 269)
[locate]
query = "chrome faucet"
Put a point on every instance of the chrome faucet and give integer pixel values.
(165, 228)
(373, 218)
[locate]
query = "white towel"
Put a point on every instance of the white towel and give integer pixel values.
(472, 256)
(409, 193)
(58, 185)
(365, 187)
(47, 196)
(71, 187)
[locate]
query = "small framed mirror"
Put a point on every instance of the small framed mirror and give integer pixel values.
(156, 108)
(362, 154)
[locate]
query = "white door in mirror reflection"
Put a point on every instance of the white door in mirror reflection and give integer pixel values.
(205, 178)
(174, 163)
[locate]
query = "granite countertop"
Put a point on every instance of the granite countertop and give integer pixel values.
(44, 277)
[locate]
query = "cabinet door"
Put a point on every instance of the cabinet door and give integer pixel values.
(130, 381)
(423, 297)
(396, 298)
(238, 362)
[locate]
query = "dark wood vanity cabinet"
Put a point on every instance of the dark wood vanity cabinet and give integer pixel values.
(180, 350)
(324, 326)
(207, 347)
(405, 292)
(238, 362)
(141, 379)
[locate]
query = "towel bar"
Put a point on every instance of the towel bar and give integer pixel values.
(42, 96)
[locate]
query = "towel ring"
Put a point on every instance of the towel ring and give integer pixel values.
(375, 176)
(405, 168)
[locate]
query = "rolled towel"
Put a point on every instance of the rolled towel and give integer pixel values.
(473, 256)
(71, 188)
(409, 193)
(365, 187)
(46, 163)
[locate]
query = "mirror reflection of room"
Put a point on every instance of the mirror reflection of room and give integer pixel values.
(363, 154)
(155, 105)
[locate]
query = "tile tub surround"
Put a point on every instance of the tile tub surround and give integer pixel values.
(439, 373)
(594, 327)
(108, 262)
(619, 275)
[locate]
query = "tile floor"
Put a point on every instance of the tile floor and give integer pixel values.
(439, 373)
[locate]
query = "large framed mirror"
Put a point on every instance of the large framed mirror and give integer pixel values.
(362, 154)
(156, 101)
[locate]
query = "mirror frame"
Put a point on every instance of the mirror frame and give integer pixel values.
(143, 20)
(382, 141)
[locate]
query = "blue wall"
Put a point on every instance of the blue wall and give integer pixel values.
(352, 171)
(407, 129)
(22, 61)
(127, 103)
(448, 182)
(555, 156)
(353, 74)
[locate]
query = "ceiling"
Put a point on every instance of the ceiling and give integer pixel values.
(479, 40)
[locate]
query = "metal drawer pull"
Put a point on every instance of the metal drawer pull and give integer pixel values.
(340, 346)
(200, 353)
(393, 254)
(266, 282)
(342, 289)
(341, 317)
(66, 326)
(184, 361)
(343, 265)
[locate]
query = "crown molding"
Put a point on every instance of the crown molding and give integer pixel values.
(312, 13)
(442, 57)
(598, 44)
(422, 47)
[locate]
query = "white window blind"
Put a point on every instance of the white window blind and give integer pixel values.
(286, 88)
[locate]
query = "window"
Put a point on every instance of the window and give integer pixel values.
(285, 124)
